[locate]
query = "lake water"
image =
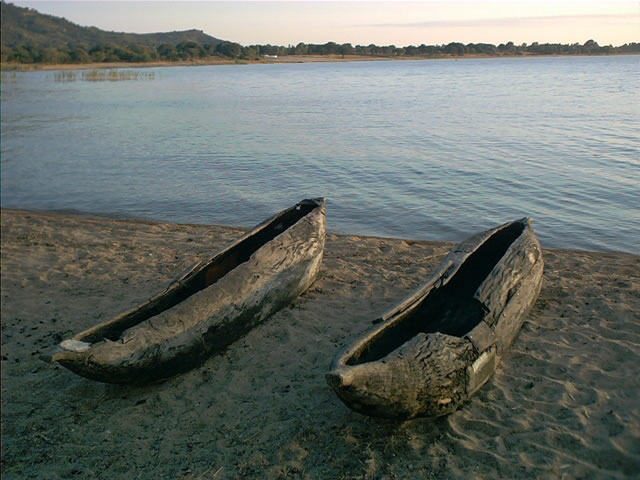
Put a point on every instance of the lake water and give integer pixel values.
(433, 150)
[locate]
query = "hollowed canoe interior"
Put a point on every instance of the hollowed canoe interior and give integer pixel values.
(204, 277)
(450, 309)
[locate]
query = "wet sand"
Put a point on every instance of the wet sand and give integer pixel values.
(564, 403)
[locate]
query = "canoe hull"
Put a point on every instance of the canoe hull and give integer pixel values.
(184, 336)
(434, 373)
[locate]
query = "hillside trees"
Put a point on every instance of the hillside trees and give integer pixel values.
(189, 50)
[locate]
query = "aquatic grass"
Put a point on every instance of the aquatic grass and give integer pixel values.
(8, 77)
(103, 76)
(64, 76)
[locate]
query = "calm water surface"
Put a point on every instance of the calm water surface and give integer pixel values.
(416, 149)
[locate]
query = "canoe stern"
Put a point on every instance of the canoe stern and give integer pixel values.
(426, 376)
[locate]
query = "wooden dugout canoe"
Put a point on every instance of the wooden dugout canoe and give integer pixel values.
(431, 352)
(208, 308)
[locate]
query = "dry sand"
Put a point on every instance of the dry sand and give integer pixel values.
(564, 403)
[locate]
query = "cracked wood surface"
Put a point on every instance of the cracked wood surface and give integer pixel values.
(183, 336)
(434, 373)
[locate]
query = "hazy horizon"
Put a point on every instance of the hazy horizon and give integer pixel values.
(381, 23)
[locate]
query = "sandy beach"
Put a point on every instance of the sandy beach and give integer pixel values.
(564, 402)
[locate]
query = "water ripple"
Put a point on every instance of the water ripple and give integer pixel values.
(416, 149)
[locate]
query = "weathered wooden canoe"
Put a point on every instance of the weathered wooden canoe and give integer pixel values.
(431, 352)
(209, 307)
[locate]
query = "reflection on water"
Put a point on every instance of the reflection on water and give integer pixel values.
(107, 75)
(412, 149)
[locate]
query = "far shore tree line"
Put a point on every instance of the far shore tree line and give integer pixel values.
(193, 51)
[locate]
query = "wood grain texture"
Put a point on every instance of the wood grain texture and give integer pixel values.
(426, 376)
(431, 352)
(180, 337)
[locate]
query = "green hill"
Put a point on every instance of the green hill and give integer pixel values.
(29, 37)
(25, 26)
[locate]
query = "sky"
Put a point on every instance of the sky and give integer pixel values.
(399, 23)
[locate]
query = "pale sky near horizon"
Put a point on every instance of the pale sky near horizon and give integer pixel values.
(363, 22)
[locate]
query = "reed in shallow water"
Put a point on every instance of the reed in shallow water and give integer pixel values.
(103, 76)
(6, 77)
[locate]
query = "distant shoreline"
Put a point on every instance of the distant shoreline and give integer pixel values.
(282, 59)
